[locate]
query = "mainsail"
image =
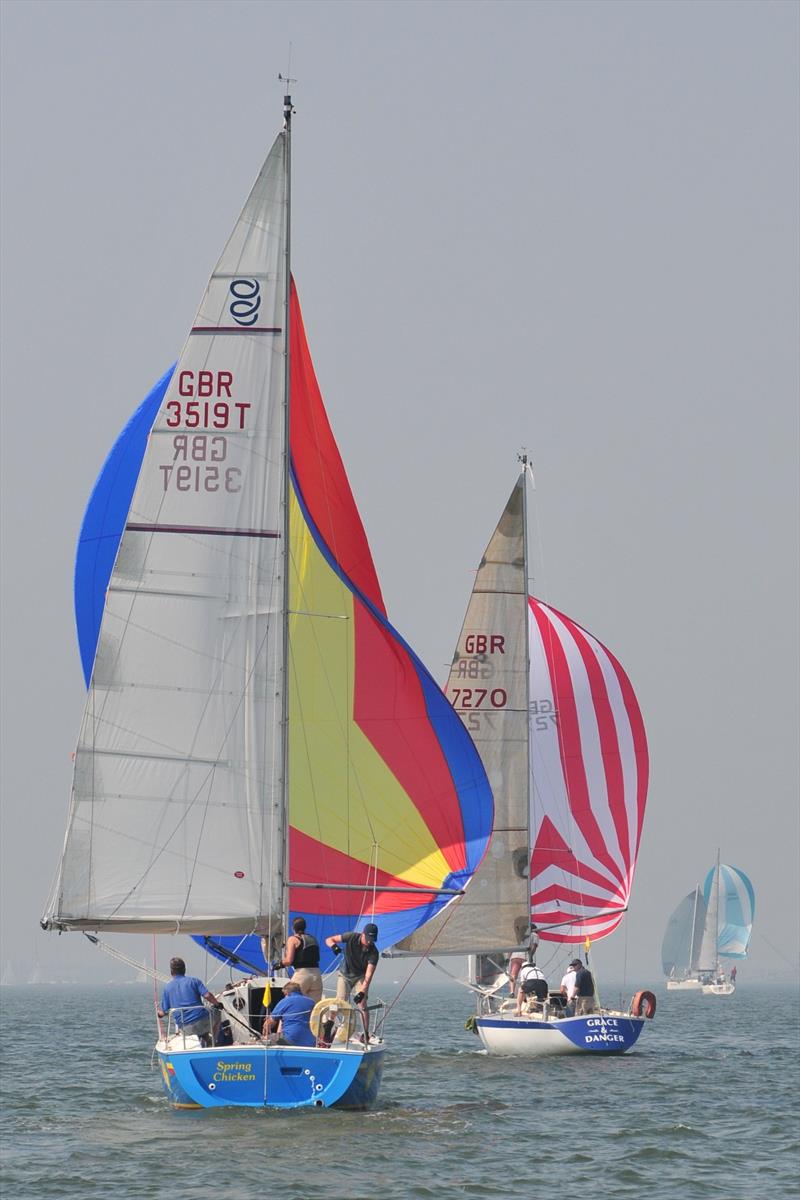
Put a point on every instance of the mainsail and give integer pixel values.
(559, 729)
(182, 816)
(680, 949)
(176, 784)
(487, 687)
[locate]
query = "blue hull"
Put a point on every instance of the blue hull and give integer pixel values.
(271, 1077)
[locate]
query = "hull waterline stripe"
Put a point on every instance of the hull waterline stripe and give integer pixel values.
(219, 530)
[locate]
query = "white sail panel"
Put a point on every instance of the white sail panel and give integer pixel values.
(177, 783)
(708, 958)
(487, 686)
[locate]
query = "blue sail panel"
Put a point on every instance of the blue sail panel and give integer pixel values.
(104, 521)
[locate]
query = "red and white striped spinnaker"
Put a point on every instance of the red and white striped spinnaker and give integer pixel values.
(589, 770)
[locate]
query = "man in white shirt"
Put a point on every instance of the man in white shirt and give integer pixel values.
(532, 989)
(568, 984)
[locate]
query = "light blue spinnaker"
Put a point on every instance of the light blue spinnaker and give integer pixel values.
(737, 903)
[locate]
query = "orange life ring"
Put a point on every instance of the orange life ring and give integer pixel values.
(646, 1001)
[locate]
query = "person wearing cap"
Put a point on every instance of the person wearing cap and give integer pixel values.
(532, 984)
(568, 986)
(185, 994)
(584, 991)
(357, 966)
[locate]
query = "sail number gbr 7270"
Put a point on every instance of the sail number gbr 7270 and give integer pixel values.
(476, 665)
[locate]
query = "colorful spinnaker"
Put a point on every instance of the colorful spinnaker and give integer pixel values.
(258, 742)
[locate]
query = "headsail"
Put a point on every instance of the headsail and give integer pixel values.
(736, 909)
(589, 773)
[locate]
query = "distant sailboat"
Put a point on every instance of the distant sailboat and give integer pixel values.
(680, 949)
(258, 742)
(9, 976)
(712, 923)
(558, 727)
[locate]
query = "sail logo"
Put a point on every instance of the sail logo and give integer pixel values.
(246, 301)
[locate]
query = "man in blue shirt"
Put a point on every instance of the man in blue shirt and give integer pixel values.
(185, 994)
(293, 1013)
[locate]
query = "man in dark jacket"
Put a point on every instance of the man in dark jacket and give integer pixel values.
(584, 991)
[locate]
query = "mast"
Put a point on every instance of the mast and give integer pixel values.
(716, 929)
(523, 458)
(284, 817)
(694, 927)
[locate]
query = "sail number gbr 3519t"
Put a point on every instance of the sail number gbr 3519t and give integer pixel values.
(205, 406)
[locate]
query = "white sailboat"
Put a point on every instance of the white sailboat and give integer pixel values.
(720, 928)
(258, 742)
(680, 950)
(559, 731)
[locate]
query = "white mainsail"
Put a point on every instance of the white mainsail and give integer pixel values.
(175, 816)
(488, 687)
(680, 949)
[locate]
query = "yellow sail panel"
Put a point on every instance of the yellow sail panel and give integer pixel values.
(329, 755)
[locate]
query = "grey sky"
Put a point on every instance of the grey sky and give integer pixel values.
(571, 227)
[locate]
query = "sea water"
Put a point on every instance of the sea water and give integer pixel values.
(705, 1106)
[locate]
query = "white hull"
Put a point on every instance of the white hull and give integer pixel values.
(533, 1037)
(702, 987)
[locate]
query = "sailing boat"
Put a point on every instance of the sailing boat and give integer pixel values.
(559, 730)
(680, 949)
(258, 743)
(720, 926)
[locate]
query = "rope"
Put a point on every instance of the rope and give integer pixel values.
(140, 967)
